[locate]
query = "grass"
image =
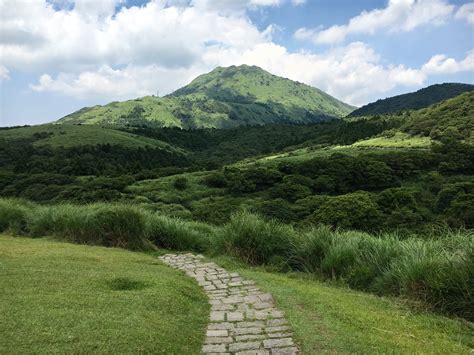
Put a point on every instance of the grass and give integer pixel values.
(311, 152)
(68, 136)
(63, 298)
(398, 140)
(333, 319)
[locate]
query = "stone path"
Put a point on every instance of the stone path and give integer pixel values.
(243, 319)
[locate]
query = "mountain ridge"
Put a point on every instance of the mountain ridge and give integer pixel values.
(419, 99)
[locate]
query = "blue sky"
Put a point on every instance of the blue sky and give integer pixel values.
(58, 56)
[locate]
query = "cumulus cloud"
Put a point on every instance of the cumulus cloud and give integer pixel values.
(441, 64)
(353, 73)
(397, 16)
(112, 52)
(117, 84)
(466, 12)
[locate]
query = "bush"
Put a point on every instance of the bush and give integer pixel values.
(216, 179)
(352, 211)
(257, 241)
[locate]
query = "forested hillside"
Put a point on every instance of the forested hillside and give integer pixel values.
(407, 171)
(415, 100)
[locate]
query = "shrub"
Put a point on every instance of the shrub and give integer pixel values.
(351, 211)
(216, 179)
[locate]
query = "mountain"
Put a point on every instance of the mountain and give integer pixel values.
(224, 98)
(414, 100)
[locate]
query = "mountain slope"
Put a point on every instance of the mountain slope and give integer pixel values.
(68, 136)
(452, 116)
(223, 98)
(414, 100)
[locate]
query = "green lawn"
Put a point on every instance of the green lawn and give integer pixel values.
(65, 298)
(332, 319)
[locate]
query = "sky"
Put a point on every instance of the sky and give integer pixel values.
(57, 56)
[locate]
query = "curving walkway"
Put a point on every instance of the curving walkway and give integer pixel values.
(243, 319)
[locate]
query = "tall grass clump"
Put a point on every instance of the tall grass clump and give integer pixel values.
(109, 225)
(257, 241)
(437, 272)
(13, 215)
(173, 233)
(440, 277)
(309, 249)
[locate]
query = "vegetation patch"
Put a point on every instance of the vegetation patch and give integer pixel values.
(435, 271)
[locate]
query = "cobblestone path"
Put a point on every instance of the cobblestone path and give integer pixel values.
(243, 319)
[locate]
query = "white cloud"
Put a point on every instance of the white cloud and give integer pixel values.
(129, 82)
(466, 12)
(166, 43)
(441, 64)
(398, 16)
(352, 73)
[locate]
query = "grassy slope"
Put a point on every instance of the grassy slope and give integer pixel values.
(414, 100)
(333, 319)
(265, 87)
(398, 140)
(72, 135)
(253, 95)
(157, 111)
(63, 298)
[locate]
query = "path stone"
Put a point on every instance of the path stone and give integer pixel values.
(243, 319)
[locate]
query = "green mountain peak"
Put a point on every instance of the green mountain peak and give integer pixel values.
(223, 98)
